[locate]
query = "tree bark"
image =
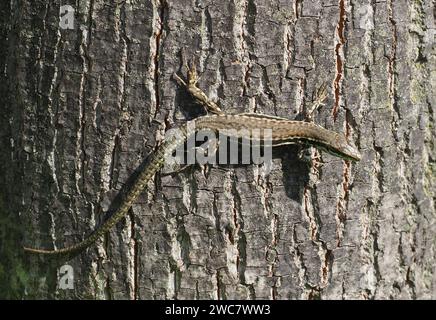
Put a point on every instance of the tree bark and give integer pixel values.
(83, 107)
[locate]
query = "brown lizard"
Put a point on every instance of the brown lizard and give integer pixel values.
(284, 131)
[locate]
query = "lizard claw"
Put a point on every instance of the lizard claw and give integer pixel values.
(191, 71)
(178, 79)
(318, 98)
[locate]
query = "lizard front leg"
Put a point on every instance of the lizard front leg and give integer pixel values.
(318, 97)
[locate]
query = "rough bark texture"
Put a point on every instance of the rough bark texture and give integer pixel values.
(82, 108)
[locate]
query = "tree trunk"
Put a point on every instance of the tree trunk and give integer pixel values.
(83, 107)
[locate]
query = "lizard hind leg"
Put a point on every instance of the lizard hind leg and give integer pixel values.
(186, 67)
(193, 76)
(191, 73)
(191, 69)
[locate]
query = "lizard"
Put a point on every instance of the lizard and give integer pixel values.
(284, 131)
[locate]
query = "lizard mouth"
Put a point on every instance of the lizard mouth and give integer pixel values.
(349, 152)
(354, 154)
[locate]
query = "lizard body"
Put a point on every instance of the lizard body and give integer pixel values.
(284, 131)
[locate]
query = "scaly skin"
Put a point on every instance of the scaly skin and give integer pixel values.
(156, 161)
(283, 131)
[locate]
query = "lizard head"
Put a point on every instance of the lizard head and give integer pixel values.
(344, 149)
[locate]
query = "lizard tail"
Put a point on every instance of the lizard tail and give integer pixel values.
(155, 162)
(74, 248)
(42, 251)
